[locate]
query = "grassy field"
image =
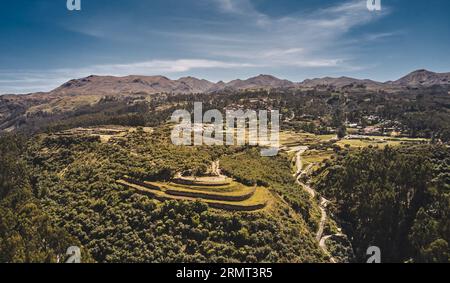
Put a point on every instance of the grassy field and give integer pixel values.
(237, 192)
(105, 133)
(232, 189)
(65, 105)
(291, 139)
(315, 157)
(379, 141)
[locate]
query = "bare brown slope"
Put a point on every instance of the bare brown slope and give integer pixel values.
(108, 85)
(423, 78)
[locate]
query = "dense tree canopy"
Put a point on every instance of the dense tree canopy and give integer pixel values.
(27, 234)
(397, 199)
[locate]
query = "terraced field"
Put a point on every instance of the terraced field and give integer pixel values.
(221, 194)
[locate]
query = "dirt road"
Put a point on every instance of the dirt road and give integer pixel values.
(322, 205)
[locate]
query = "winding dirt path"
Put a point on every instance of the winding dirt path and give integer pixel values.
(322, 205)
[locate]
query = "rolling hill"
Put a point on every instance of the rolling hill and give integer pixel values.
(91, 90)
(423, 78)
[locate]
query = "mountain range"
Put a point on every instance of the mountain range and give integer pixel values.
(109, 85)
(89, 91)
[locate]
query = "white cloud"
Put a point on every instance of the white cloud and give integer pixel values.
(383, 35)
(304, 39)
(237, 7)
(161, 66)
(248, 35)
(246, 38)
(281, 52)
(318, 63)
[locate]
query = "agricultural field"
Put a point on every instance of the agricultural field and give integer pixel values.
(293, 139)
(104, 133)
(232, 196)
(378, 141)
(322, 147)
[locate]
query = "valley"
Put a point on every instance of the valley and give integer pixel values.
(190, 136)
(107, 174)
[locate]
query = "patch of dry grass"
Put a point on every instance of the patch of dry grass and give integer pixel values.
(235, 197)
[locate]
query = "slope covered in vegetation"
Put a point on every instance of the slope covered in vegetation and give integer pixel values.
(396, 199)
(27, 234)
(74, 180)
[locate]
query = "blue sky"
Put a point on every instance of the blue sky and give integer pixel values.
(42, 44)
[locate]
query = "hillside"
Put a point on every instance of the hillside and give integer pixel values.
(106, 95)
(259, 82)
(345, 82)
(423, 78)
(73, 178)
(129, 85)
(135, 85)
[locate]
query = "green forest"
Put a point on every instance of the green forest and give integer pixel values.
(395, 198)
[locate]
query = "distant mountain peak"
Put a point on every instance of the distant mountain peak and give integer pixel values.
(341, 82)
(95, 85)
(423, 77)
(110, 85)
(259, 82)
(423, 71)
(265, 76)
